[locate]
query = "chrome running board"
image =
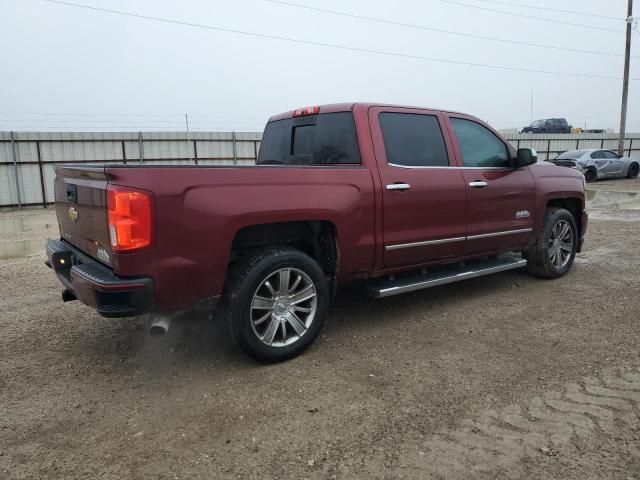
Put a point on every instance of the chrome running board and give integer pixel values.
(454, 273)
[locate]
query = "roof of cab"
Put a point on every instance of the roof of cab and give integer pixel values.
(345, 107)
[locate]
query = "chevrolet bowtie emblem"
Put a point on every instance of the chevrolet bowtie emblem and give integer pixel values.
(73, 214)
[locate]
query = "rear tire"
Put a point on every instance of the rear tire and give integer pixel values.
(552, 254)
(277, 301)
(633, 171)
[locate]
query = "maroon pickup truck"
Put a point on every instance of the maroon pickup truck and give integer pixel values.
(401, 198)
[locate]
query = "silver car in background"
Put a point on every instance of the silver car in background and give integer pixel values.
(597, 164)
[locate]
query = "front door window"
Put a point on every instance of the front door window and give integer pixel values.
(479, 146)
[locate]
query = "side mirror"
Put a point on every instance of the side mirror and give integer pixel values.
(526, 156)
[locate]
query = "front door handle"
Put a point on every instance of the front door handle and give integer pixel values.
(398, 186)
(478, 184)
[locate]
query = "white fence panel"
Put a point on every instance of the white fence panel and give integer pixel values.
(7, 185)
(214, 149)
(49, 175)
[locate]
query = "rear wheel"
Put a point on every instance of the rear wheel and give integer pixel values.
(590, 174)
(555, 248)
(633, 171)
(277, 300)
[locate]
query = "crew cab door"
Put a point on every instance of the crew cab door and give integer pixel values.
(423, 196)
(500, 199)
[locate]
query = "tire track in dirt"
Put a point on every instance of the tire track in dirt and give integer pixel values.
(14, 304)
(499, 442)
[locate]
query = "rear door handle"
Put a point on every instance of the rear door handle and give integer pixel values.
(398, 186)
(478, 184)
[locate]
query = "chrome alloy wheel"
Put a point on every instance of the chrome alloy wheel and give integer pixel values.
(560, 244)
(283, 307)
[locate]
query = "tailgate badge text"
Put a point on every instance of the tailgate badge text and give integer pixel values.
(102, 255)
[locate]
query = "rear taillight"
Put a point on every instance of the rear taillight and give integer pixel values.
(129, 218)
(303, 112)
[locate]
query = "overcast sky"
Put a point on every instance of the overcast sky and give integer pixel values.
(121, 73)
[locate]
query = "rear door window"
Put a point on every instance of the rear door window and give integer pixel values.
(413, 140)
(325, 139)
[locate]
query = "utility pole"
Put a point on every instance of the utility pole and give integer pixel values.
(625, 80)
(531, 105)
(186, 121)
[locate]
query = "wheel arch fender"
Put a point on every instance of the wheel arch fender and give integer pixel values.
(570, 201)
(319, 238)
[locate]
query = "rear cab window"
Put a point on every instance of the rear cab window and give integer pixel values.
(323, 139)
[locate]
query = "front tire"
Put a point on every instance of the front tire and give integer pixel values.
(633, 171)
(277, 302)
(590, 175)
(552, 254)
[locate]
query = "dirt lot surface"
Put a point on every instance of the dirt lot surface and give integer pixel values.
(501, 377)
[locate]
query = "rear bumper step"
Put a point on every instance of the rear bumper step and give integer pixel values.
(455, 273)
(96, 285)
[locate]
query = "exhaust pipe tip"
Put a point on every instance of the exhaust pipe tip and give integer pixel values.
(160, 326)
(68, 296)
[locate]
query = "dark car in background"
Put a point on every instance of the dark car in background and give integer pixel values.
(548, 125)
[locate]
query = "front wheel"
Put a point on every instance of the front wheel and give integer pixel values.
(277, 300)
(552, 254)
(590, 175)
(633, 171)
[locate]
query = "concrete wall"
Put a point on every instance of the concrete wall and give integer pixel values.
(37, 152)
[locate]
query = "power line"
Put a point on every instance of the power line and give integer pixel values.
(22, 125)
(84, 127)
(154, 115)
(35, 120)
(134, 128)
(332, 45)
(143, 122)
(454, 2)
(96, 114)
(439, 30)
(574, 12)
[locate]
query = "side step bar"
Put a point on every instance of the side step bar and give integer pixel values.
(454, 273)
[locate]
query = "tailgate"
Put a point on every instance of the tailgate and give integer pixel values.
(81, 207)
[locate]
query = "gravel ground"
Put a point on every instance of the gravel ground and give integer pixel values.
(501, 377)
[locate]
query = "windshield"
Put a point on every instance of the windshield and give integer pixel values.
(537, 123)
